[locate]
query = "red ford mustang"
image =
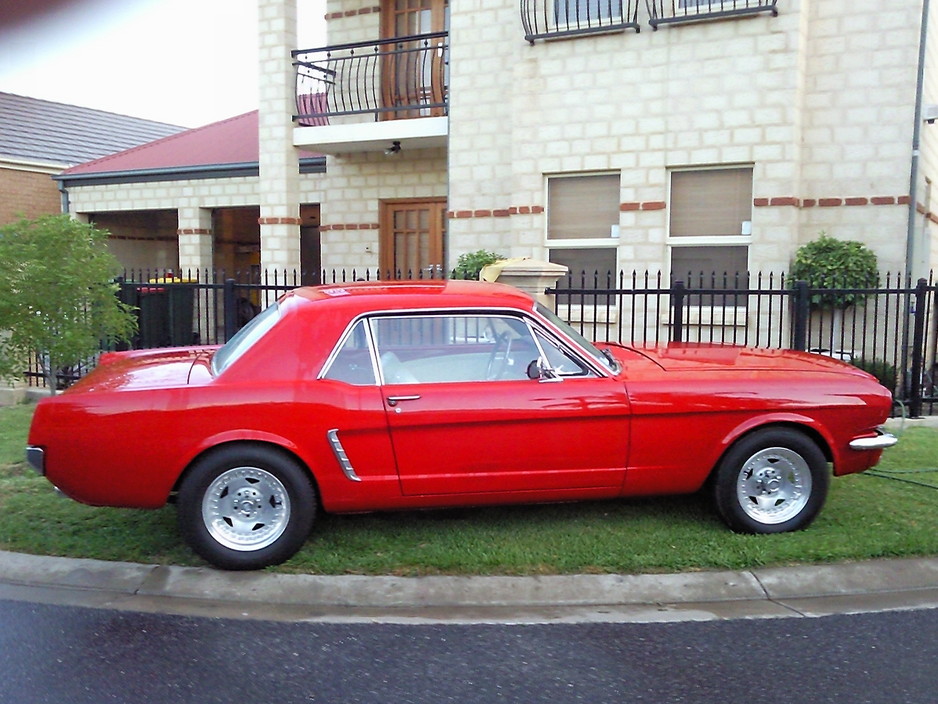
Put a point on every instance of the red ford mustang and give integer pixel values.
(376, 396)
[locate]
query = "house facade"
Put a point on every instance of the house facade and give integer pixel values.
(678, 136)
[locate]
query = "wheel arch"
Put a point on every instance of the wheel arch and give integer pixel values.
(284, 450)
(802, 425)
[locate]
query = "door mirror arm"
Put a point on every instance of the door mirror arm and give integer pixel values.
(540, 370)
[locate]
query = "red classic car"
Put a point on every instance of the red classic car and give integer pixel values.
(375, 396)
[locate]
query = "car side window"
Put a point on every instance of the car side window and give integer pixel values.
(419, 349)
(352, 362)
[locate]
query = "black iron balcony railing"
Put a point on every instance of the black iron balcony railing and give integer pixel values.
(552, 19)
(404, 77)
(674, 11)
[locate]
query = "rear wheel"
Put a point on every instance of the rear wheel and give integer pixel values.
(246, 507)
(771, 481)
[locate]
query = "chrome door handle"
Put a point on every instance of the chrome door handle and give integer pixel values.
(394, 400)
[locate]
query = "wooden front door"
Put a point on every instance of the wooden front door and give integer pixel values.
(412, 238)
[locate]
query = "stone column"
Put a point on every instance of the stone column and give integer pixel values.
(196, 242)
(279, 185)
(196, 254)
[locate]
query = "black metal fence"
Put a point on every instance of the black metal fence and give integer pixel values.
(676, 11)
(549, 19)
(892, 330)
(553, 19)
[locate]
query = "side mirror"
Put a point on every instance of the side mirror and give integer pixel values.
(540, 370)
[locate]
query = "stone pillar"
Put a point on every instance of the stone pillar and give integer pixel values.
(196, 242)
(279, 185)
(530, 275)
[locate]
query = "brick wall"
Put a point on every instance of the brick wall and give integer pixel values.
(27, 194)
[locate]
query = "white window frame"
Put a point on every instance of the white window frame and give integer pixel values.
(707, 315)
(577, 312)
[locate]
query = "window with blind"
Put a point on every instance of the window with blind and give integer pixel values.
(582, 224)
(710, 228)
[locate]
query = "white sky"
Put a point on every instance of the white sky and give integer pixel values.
(185, 62)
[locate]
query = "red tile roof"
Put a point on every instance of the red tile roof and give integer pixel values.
(231, 141)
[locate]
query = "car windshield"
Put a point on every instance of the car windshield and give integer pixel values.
(607, 361)
(245, 338)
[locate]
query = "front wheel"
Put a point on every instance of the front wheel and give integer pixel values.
(772, 481)
(246, 507)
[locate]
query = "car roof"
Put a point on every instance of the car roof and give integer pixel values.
(385, 295)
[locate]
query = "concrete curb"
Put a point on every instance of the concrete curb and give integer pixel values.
(791, 591)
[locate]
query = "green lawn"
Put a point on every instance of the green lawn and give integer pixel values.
(890, 512)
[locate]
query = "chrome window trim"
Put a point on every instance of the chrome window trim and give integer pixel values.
(369, 341)
(529, 317)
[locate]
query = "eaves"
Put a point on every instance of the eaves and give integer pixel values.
(308, 165)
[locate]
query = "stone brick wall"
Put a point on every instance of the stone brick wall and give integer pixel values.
(818, 101)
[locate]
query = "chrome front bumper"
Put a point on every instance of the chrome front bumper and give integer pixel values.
(877, 442)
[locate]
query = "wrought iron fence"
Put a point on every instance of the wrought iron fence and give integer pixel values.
(675, 11)
(893, 334)
(547, 19)
(390, 78)
(554, 19)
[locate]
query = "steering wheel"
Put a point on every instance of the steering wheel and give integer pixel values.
(498, 361)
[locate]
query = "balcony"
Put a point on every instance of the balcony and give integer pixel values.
(677, 11)
(369, 96)
(556, 19)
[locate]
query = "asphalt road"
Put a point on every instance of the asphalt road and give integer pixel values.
(59, 654)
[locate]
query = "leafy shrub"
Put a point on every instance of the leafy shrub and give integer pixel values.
(885, 372)
(829, 263)
(470, 264)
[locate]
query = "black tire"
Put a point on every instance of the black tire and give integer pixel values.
(245, 507)
(772, 481)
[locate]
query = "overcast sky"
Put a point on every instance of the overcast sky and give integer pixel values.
(185, 62)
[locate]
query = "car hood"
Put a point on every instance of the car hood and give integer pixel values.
(146, 369)
(684, 356)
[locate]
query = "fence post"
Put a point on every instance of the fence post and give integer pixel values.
(231, 309)
(801, 312)
(918, 348)
(678, 294)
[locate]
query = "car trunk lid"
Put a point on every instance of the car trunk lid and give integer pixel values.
(146, 369)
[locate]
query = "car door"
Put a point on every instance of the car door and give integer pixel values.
(465, 416)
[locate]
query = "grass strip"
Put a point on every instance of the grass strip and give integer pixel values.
(867, 516)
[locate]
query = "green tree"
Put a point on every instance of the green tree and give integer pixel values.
(57, 295)
(829, 263)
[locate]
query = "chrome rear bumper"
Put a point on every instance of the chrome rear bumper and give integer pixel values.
(36, 458)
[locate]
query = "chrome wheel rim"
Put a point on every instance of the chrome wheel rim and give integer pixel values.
(246, 509)
(774, 485)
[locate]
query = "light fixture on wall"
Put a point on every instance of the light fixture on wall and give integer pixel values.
(395, 148)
